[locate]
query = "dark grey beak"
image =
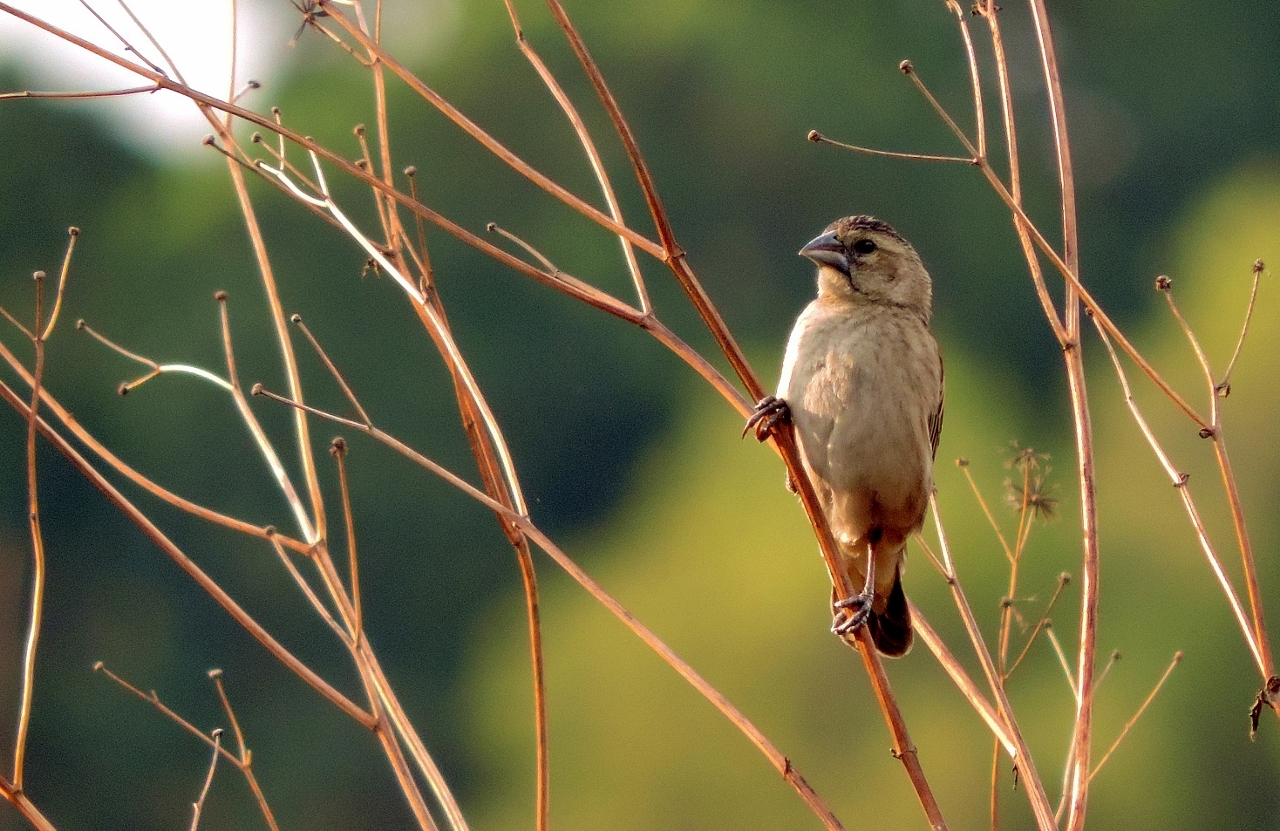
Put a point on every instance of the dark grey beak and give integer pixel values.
(827, 250)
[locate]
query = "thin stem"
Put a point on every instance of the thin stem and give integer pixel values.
(173, 67)
(964, 683)
(550, 267)
(128, 47)
(1021, 755)
(339, 452)
(487, 141)
(310, 594)
(994, 801)
(903, 749)
(527, 528)
(589, 147)
(107, 93)
(73, 234)
(17, 324)
(1252, 586)
(36, 613)
(1044, 621)
(216, 735)
(176, 554)
(20, 801)
(1166, 288)
(69, 421)
(963, 464)
(818, 138)
(988, 11)
(907, 68)
(333, 369)
(215, 675)
(1006, 610)
(1177, 657)
(1068, 273)
(1180, 481)
(979, 112)
(1106, 669)
(309, 532)
(302, 431)
(1223, 387)
(1066, 670)
(243, 762)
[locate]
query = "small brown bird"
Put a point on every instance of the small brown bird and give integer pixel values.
(862, 383)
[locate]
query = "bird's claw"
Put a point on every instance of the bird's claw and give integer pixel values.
(770, 411)
(851, 613)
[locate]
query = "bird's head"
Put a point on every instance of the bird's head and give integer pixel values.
(863, 260)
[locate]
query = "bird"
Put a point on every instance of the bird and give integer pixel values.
(862, 384)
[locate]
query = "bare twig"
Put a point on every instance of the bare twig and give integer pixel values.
(205, 582)
(35, 615)
(338, 449)
(1177, 657)
(589, 147)
(818, 138)
(216, 735)
(107, 93)
(1180, 481)
(1223, 387)
(1019, 752)
(527, 528)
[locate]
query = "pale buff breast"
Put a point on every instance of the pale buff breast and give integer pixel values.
(862, 385)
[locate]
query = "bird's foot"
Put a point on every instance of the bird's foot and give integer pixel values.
(850, 613)
(768, 414)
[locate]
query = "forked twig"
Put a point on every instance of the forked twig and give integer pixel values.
(537, 537)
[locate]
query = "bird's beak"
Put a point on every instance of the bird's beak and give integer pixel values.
(827, 250)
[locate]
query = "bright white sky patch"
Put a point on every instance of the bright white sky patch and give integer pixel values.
(196, 34)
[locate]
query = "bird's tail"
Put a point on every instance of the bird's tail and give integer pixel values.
(891, 629)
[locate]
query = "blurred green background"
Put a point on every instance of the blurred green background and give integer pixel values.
(628, 460)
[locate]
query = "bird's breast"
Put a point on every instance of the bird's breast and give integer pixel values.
(862, 384)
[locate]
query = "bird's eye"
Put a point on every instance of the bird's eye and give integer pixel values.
(864, 247)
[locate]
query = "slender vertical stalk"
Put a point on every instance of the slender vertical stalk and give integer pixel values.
(36, 612)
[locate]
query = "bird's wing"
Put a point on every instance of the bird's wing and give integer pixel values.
(935, 420)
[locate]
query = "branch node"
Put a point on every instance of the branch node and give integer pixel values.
(1266, 698)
